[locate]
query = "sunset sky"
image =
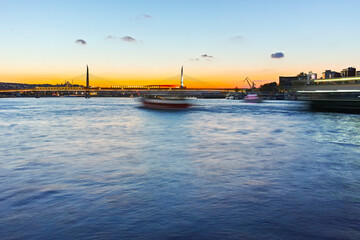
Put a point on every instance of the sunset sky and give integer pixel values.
(219, 42)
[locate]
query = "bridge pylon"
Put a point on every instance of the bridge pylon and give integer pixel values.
(87, 94)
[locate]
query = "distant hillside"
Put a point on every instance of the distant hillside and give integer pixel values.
(5, 85)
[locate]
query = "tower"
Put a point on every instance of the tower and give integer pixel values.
(87, 76)
(87, 94)
(182, 77)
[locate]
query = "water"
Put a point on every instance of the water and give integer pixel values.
(102, 168)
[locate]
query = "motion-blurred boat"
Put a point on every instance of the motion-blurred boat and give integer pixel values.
(333, 94)
(166, 102)
(252, 98)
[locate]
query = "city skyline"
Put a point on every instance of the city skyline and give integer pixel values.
(134, 42)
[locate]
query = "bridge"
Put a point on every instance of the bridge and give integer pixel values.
(119, 90)
(113, 92)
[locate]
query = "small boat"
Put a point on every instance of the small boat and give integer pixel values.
(166, 103)
(235, 96)
(252, 98)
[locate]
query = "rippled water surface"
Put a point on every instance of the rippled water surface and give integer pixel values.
(102, 168)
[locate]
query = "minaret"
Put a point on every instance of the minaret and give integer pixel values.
(182, 77)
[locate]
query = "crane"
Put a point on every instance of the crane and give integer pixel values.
(250, 83)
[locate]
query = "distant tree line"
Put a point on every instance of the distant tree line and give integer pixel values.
(6, 85)
(272, 87)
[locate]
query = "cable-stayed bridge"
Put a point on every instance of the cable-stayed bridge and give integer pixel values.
(175, 81)
(80, 85)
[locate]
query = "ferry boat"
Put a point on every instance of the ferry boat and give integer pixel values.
(334, 100)
(334, 95)
(252, 98)
(165, 102)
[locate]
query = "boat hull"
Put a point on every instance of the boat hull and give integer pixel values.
(252, 98)
(343, 105)
(165, 104)
(347, 101)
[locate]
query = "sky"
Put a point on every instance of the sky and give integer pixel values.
(219, 42)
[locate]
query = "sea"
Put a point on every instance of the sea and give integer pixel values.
(105, 168)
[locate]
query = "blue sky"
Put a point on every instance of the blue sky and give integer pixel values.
(217, 41)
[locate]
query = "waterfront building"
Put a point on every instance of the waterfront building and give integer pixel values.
(330, 74)
(312, 76)
(348, 72)
(289, 83)
(285, 83)
(302, 76)
(303, 79)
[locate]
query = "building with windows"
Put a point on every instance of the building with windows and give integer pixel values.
(330, 74)
(290, 83)
(348, 72)
(285, 83)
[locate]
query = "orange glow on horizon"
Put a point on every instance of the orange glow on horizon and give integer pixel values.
(195, 76)
(216, 80)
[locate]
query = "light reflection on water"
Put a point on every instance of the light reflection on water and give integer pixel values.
(104, 168)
